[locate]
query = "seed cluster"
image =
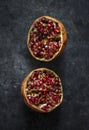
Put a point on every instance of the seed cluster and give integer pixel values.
(45, 38)
(44, 89)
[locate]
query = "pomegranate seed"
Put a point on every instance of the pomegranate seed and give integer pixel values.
(40, 82)
(45, 108)
(44, 79)
(50, 104)
(36, 100)
(32, 84)
(49, 25)
(45, 92)
(43, 99)
(51, 28)
(41, 87)
(34, 34)
(43, 19)
(55, 98)
(50, 54)
(52, 33)
(49, 22)
(29, 98)
(31, 44)
(57, 91)
(33, 99)
(35, 53)
(29, 86)
(57, 30)
(54, 47)
(40, 43)
(46, 46)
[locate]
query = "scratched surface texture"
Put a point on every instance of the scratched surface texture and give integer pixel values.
(16, 16)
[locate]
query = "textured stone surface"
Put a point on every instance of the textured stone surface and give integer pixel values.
(72, 65)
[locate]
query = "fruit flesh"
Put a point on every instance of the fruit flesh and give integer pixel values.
(45, 39)
(44, 90)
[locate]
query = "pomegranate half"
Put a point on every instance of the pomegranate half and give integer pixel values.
(42, 90)
(46, 38)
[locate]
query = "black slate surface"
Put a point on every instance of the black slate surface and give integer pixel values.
(72, 65)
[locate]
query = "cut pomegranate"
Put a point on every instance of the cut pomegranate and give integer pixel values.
(46, 38)
(42, 90)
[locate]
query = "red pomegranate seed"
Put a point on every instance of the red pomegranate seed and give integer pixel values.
(43, 100)
(33, 99)
(49, 25)
(56, 98)
(32, 84)
(36, 100)
(58, 91)
(51, 28)
(29, 86)
(50, 54)
(49, 21)
(41, 87)
(45, 108)
(52, 33)
(42, 19)
(50, 104)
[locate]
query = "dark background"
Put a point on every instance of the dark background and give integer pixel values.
(16, 16)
